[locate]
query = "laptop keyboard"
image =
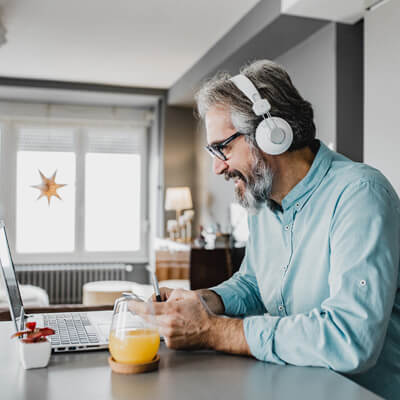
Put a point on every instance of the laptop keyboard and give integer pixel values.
(70, 328)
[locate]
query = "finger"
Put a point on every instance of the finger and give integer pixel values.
(169, 333)
(181, 294)
(175, 342)
(151, 308)
(152, 298)
(165, 292)
(167, 321)
(181, 342)
(140, 308)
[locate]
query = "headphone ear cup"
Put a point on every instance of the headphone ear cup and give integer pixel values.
(274, 135)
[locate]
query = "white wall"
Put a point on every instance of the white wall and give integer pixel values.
(382, 90)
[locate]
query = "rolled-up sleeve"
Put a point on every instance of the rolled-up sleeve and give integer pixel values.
(346, 333)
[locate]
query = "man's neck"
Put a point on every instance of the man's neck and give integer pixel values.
(289, 169)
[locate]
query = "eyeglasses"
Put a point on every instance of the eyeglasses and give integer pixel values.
(215, 149)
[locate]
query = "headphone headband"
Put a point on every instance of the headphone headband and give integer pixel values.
(245, 85)
(273, 134)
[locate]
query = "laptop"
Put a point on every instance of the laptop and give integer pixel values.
(74, 331)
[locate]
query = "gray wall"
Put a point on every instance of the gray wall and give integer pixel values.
(311, 66)
(382, 88)
(179, 151)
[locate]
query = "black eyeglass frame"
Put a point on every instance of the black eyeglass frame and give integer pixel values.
(215, 149)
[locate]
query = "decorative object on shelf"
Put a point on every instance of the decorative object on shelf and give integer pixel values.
(209, 234)
(200, 241)
(34, 347)
(182, 229)
(48, 187)
(172, 229)
(188, 216)
(178, 199)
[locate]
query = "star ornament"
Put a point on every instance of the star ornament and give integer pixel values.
(48, 187)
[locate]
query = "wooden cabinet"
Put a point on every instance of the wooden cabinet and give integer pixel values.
(172, 264)
(204, 268)
(211, 267)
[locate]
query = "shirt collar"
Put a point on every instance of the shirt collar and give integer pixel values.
(299, 195)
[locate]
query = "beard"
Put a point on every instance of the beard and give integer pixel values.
(257, 185)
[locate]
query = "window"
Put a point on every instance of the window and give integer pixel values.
(42, 228)
(109, 180)
(113, 176)
(101, 214)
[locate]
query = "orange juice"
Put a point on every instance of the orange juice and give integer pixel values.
(134, 346)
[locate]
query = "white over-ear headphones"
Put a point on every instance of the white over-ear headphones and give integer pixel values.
(273, 134)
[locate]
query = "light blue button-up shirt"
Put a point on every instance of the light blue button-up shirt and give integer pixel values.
(319, 284)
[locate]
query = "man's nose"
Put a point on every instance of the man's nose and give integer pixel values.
(219, 166)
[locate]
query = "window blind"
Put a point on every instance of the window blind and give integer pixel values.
(45, 139)
(114, 140)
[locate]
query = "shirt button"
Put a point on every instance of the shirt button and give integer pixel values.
(363, 282)
(287, 227)
(284, 267)
(280, 308)
(297, 205)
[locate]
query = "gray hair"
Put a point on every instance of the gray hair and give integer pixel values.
(274, 84)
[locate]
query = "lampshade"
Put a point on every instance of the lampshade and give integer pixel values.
(178, 198)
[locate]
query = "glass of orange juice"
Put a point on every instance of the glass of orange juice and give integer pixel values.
(132, 340)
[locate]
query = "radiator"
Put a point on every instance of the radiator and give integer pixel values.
(63, 282)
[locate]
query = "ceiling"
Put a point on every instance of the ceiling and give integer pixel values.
(148, 44)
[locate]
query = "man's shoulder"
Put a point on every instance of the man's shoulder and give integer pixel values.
(347, 175)
(346, 172)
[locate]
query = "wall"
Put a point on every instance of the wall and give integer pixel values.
(382, 88)
(214, 193)
(311, 65)
(179, 151)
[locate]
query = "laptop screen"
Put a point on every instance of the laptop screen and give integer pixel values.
(10, 279)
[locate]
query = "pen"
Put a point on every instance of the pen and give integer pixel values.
(155, 286)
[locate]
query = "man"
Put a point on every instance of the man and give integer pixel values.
(319, 285)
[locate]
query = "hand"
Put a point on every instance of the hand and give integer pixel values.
(164, 293)
(183, 319)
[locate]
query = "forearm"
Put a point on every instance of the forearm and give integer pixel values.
(227, 335)
(213, 300)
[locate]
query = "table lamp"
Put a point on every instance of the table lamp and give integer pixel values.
(178, 199)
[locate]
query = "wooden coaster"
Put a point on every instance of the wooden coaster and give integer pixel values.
(120, 368)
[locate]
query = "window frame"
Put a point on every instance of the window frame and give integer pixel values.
(8, 171)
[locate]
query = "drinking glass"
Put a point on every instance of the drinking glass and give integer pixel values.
(133, 339)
